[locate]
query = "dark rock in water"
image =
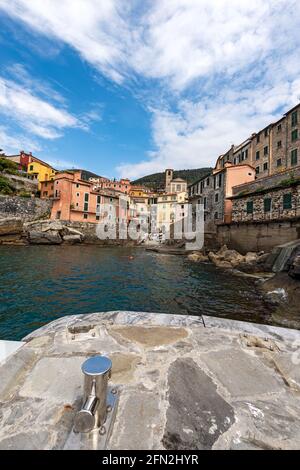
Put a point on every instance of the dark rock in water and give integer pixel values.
(294, 270)
(51, 237)
(197, 415)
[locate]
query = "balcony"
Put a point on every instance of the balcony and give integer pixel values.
(56, 195)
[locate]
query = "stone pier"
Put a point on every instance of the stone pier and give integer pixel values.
(183, 383)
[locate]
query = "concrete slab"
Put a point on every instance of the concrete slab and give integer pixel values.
(240, 373)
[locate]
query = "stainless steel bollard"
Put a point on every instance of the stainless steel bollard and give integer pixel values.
(97, 371)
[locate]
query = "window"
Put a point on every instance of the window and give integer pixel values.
(257, 156)
(217, 197)
(45, 193)
(86, 202)
(279, 144)
(279, 162)
(257, 138)
(287, 201)
(279, 128)
(294, 118)
(234, 161)
(46, 184)
(265, 166)
(294, 135)
(266, 150)
(31, 168)
(205, 202)
(266, 132)
(246, 154)
(77, 194)
(294, 157)
(250, 207)
(77, 185)
(220, 180)
(207, 182)
(216, 216)
(58, 214)
(85, 216)
(97, 217)
(178, 187)
(267, 204)
(257, 170)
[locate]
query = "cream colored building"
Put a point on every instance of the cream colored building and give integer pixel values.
(171, 207)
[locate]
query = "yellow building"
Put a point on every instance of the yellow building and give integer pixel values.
(40, 171)
(139, 191)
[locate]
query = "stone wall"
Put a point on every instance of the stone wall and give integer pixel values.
(258, 236)
(277, 210)
(22, 184)
(26, 208)
(266, 183)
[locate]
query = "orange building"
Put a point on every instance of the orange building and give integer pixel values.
(75, 199)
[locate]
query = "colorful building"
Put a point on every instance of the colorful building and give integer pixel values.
(36, 169)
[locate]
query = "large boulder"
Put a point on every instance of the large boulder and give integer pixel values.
(197, 257)
(11, 226)
(233, 257)
(55, 225)
(294, 270)
(72, 239)
(51, 237)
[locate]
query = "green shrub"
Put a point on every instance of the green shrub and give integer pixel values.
(8, 167)
(5, 186)
(24, 194)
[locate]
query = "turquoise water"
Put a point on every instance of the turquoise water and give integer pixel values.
(41, 283)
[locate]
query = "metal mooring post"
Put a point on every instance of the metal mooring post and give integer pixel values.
(96, 413)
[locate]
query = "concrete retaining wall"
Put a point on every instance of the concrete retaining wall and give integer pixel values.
(257, 236)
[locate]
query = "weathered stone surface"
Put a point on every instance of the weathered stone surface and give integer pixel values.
(141, 410)
(59, 379)
(13, 371)
(198, 257)
(240, 373)
(197, 414)
(72, 239)
(50, 237)
(150, 337)
(206, 377)
(123, 367)
(10, 226)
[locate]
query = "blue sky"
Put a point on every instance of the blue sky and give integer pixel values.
(130, 88)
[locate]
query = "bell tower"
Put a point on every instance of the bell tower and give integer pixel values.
(169, 178)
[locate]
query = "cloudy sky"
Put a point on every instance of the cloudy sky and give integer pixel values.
(130, 87)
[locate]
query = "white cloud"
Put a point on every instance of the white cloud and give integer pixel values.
(221, 69)
(10, 142)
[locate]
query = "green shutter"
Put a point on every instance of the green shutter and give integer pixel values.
(267, 204)
(287, 201)
(250, 207)
(294, 157)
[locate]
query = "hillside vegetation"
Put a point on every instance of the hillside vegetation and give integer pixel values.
(157, 180)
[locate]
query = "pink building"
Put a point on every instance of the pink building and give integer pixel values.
(75, 199)
(122, 186)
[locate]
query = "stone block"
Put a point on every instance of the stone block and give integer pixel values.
(197, 414)
(241, 374)
(57, 378)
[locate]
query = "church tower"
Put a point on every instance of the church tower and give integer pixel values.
(169, 177)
